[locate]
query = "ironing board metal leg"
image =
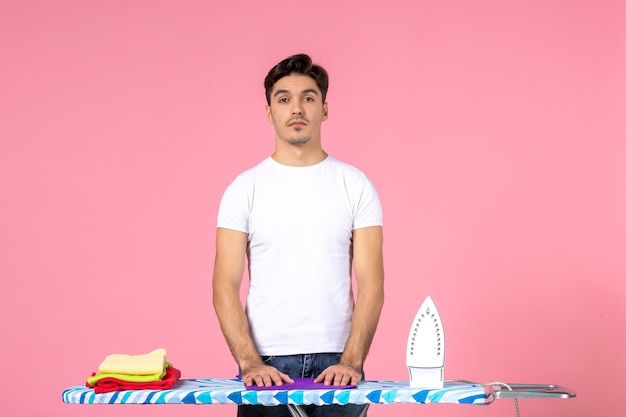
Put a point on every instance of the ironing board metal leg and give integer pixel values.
(296, 411)
(364, 411)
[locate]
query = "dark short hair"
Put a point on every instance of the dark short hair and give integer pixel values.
(296, 64)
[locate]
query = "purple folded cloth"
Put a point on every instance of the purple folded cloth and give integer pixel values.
(300, 383)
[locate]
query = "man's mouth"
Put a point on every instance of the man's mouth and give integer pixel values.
(297, 123)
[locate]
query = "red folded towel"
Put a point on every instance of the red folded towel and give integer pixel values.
(113, 384)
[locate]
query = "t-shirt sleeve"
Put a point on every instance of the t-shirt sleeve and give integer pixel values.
(368, 210)
(234, 207)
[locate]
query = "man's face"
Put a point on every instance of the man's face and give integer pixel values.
(296, 109)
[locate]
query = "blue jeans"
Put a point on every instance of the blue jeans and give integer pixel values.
(301, 366)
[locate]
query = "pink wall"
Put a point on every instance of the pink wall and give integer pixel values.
(494, 132)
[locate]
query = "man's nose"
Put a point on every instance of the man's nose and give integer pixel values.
(297, 108)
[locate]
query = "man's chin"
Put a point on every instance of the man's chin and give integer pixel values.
(298, 141)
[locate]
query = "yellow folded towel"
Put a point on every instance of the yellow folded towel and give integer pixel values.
(146, 364)
(94, 378)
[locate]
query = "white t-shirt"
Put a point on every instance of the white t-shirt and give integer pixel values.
(299, 222)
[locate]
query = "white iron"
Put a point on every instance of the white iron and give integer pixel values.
(425, 348)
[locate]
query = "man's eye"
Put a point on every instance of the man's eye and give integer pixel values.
(282, 100)
(308, 99)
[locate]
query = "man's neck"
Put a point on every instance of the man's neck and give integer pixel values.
(299, 156)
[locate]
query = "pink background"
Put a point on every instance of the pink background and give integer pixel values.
(493, 130)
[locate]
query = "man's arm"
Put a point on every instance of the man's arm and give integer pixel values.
(367, 244)
(230, 258)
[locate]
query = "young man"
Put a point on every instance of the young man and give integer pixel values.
(304, 220)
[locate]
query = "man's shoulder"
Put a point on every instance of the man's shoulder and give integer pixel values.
(253, 171)
(345, 168)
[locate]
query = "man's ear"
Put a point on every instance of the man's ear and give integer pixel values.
(325, 111)
(268, 111)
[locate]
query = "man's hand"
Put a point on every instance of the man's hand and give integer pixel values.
(340, 375)
(264, 376)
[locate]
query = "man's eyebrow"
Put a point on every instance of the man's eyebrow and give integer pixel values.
(310, 90)
(307, 91)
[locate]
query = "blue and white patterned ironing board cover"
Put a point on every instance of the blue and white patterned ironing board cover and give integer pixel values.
(233, 391)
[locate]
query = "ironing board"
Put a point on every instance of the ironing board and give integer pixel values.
(233, 391)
